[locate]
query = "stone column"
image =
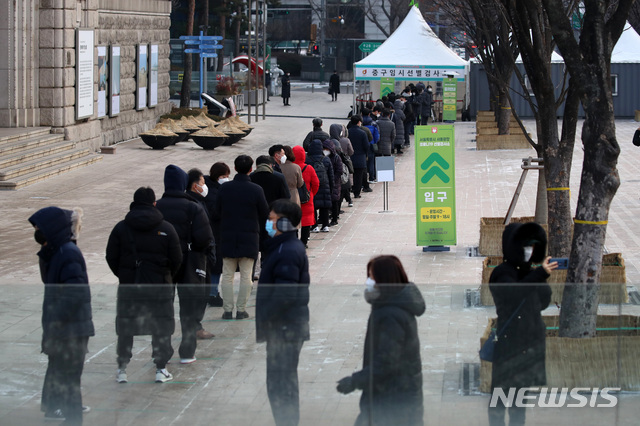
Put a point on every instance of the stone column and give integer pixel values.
(19, 37)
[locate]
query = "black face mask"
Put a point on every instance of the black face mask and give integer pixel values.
(38, 235)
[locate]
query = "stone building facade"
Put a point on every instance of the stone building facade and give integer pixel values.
(38, 55)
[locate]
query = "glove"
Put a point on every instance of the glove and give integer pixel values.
(345, 385)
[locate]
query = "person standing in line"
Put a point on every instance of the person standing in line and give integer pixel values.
(360, 144)
(334, 85)
(387, 133)
(339, 132)
(267, 84)
(282, 310)
(292, 174)
(313, 185)
(286, 88)
(369, 123)
(391, 375)
(218, 174)
(144, 252)
(322, 200)
(198, 190)
(66, 312)
(242, 208)
(329, 151)
(191, 223)
(316, 133)
(520, 292)
(398, 119)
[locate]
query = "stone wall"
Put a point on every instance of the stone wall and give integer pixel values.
(116, 22)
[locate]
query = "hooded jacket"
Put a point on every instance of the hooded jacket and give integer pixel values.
(145, 308)
(391, 375)
(316, 133)
(519, 354)
(273, 186)
(360, 145)
(313, 185)
(66, 308)
(398, 119)
(324, 170)
(336, 163)
(387, 135)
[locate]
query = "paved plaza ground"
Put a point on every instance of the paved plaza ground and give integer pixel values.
(227, 384)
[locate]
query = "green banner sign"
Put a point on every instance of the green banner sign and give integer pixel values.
(368, 46)
(435, 186)
(387, 84)
(449, 98)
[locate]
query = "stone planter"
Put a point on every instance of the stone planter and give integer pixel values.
(487, 136)
(613, 291)
(250, 97)
(491, 229)
(607, 360)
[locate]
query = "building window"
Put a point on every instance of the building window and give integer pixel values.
(614, 84)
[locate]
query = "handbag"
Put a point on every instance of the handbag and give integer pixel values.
(487, 349)
(303, 191)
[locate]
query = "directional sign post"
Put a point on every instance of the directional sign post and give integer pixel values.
(435, 187)
(368, 46)
(205, 46)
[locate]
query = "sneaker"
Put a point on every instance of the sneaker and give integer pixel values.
(333, 223)
(215, 301)
(350, 204)
(399, 152)
(121, 376)
(325, 229)
(85, 409)
(227, 315)
(341, 211)
(373, 181)
(315, 229)
(367, 190)
(241, 315)
(54, 415)
(184, 361)
(163, 375)
(204, 335)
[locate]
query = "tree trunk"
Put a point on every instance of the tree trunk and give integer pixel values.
(185, 92)
(504, 111)
(236, 67)
(223, 33)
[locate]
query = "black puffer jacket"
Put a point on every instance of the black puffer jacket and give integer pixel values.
(324, 170)
(398, 119)
(214, 220)
(519, 354)
(147, 308)
(336, 164)
(391, 375)
(66, 309)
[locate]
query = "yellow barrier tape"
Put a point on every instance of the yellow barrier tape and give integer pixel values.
(558, 189)
(589, 222)
(505, 107)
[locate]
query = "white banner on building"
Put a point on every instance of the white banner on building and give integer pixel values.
(84, 72)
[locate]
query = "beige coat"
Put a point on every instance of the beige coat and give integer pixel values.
(293, 176)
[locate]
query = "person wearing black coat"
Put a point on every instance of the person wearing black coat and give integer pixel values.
(144, 252)
(66, 313)
(282, 309)
(243, 210)
(191, 223)
(360, 145)
(391, 375)
(322, 200)
(516, 287)
(334, 85)
(286, 88)
(337, 166)
(275, 187)
(316, 133)
(398, 119)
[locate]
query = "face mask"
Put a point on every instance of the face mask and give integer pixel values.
(205, 190)
(223, 180)
(429, 90)
(528, 251)
(38, 235)
(268, 226)
(370, 283)
(371, 293)
(283, 159)
(326, 152)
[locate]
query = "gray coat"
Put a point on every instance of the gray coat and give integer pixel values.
(387, 135)
(398, 118)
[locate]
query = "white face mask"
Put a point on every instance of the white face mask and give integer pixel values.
(223, 180)
(283, 159)
(205, 190)
(326, 152)
(370, 282)
(528, 251)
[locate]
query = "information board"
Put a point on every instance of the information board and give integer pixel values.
(84, 73)
(449, 98)
(435, 185)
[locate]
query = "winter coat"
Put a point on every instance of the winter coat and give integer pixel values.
(146, 308)
(313, 185)
(398, 118)
(243, 211)
(336, 164)
(387, 135)
(274, 187)
(391, 375)
(214, 221)
(286, 86)
(360, 145)
(424, 100)
(282, 299)
(324, 170)
(368, 123)
(317, 133)
(334, 84)
(636, 138)
(66, 308)
(293, 175)
(339, 132)
(519, 354)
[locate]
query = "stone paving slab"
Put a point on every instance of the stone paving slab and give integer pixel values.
(227, 383)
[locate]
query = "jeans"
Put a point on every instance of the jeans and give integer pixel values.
(191, 314)
(215, 280)
(371, 164)
(282, 380)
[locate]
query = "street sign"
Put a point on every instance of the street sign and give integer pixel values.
(192, 51)
(206, 48)
(368, 46)
(201, 38)
(208, 55)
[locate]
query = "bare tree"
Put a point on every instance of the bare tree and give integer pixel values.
(386, 15)
(589, 62)
(185, 93)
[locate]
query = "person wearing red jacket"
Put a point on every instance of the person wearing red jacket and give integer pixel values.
(313, 184)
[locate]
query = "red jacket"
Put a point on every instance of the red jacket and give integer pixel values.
(312, 182)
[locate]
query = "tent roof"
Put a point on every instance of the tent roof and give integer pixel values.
(628, 47)
(413, 43)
